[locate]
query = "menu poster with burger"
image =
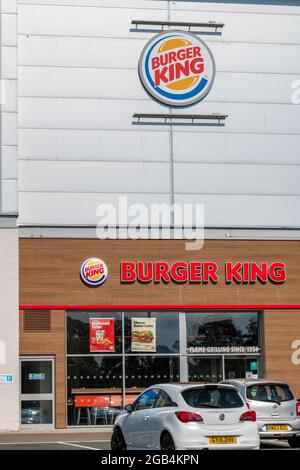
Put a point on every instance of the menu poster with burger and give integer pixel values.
(143, 334)
(102, 335)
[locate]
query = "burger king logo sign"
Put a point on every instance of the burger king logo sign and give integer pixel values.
(94, 272)
(177, 68)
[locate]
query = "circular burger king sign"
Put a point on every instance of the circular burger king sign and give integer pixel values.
(94, 271)
(177, 68)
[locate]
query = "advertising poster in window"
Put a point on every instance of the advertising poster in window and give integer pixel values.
(102, 335)
(143, 334)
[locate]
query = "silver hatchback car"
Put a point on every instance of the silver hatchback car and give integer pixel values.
(277, 409)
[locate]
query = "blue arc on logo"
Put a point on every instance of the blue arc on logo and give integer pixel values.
(172, 96)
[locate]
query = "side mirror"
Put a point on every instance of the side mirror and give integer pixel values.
(128, 408)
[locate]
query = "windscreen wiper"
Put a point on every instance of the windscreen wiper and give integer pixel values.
(271, 401)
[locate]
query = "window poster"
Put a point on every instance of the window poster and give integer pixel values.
(143, 334)
(102, 335)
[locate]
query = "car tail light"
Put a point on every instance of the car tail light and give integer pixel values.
(187, 417)
(298, 409)
(248, 406)
(248, 416)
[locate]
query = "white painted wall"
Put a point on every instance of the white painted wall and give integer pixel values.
(9, 329)
(78, 89)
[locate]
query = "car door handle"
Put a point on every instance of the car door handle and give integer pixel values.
(146, 418)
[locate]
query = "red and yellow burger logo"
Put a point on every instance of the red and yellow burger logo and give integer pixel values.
(177, 68)
(94, 271)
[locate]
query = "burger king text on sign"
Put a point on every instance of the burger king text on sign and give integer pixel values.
(177, 68)
(203, 272)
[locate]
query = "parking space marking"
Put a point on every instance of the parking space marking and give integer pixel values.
(77, 445)
(49, 442)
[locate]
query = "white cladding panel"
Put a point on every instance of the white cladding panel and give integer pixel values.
(246, 211)
(79, 87)
(66, 82)
(77, 206)
(104, 22)
(113, 53)
(99, 145)
(93, 177)
(8, 108)
(78, 114)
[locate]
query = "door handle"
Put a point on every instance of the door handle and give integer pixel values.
(146, 418)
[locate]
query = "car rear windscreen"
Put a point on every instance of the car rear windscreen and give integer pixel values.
(269, 392)
(203, 397)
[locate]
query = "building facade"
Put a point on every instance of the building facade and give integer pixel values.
(184, 329)
(88, 135)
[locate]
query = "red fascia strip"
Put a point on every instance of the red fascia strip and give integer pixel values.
(165, 307)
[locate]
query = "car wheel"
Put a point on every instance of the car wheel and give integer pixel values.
(294, 442)
(117, 442)
(166, 442)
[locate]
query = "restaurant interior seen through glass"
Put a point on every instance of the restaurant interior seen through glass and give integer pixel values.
(113, 356)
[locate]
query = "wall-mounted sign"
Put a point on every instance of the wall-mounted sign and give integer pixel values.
(102, 334)
(196, 272)
(94, 271)
(143, 334)
(37, 376)
(6, 378)
(177, 68)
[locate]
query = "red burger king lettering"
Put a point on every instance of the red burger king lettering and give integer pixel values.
(160, 271)
(202, 272)
(98, 269)
(175, 65)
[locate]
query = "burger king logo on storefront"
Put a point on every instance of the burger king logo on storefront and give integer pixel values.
(177, 68)
(94, 272)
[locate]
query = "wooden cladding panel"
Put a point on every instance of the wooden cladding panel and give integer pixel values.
(51, 343)
(49, 272)
(282, 328)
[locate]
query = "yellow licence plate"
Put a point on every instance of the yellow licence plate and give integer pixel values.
(222, 440)
(277, 427)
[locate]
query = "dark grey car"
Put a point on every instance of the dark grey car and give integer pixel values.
(277, 409)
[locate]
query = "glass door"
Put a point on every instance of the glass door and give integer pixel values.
(37, 392)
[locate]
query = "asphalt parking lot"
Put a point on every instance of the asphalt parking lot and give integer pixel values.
(99, 445)
(61, 445)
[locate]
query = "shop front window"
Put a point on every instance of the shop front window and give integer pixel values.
(205, 369)
(112, 357)
(219, 332)
(94, 332)
(94, 390)
(144, 371)
(151, 332)
(241, 367)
